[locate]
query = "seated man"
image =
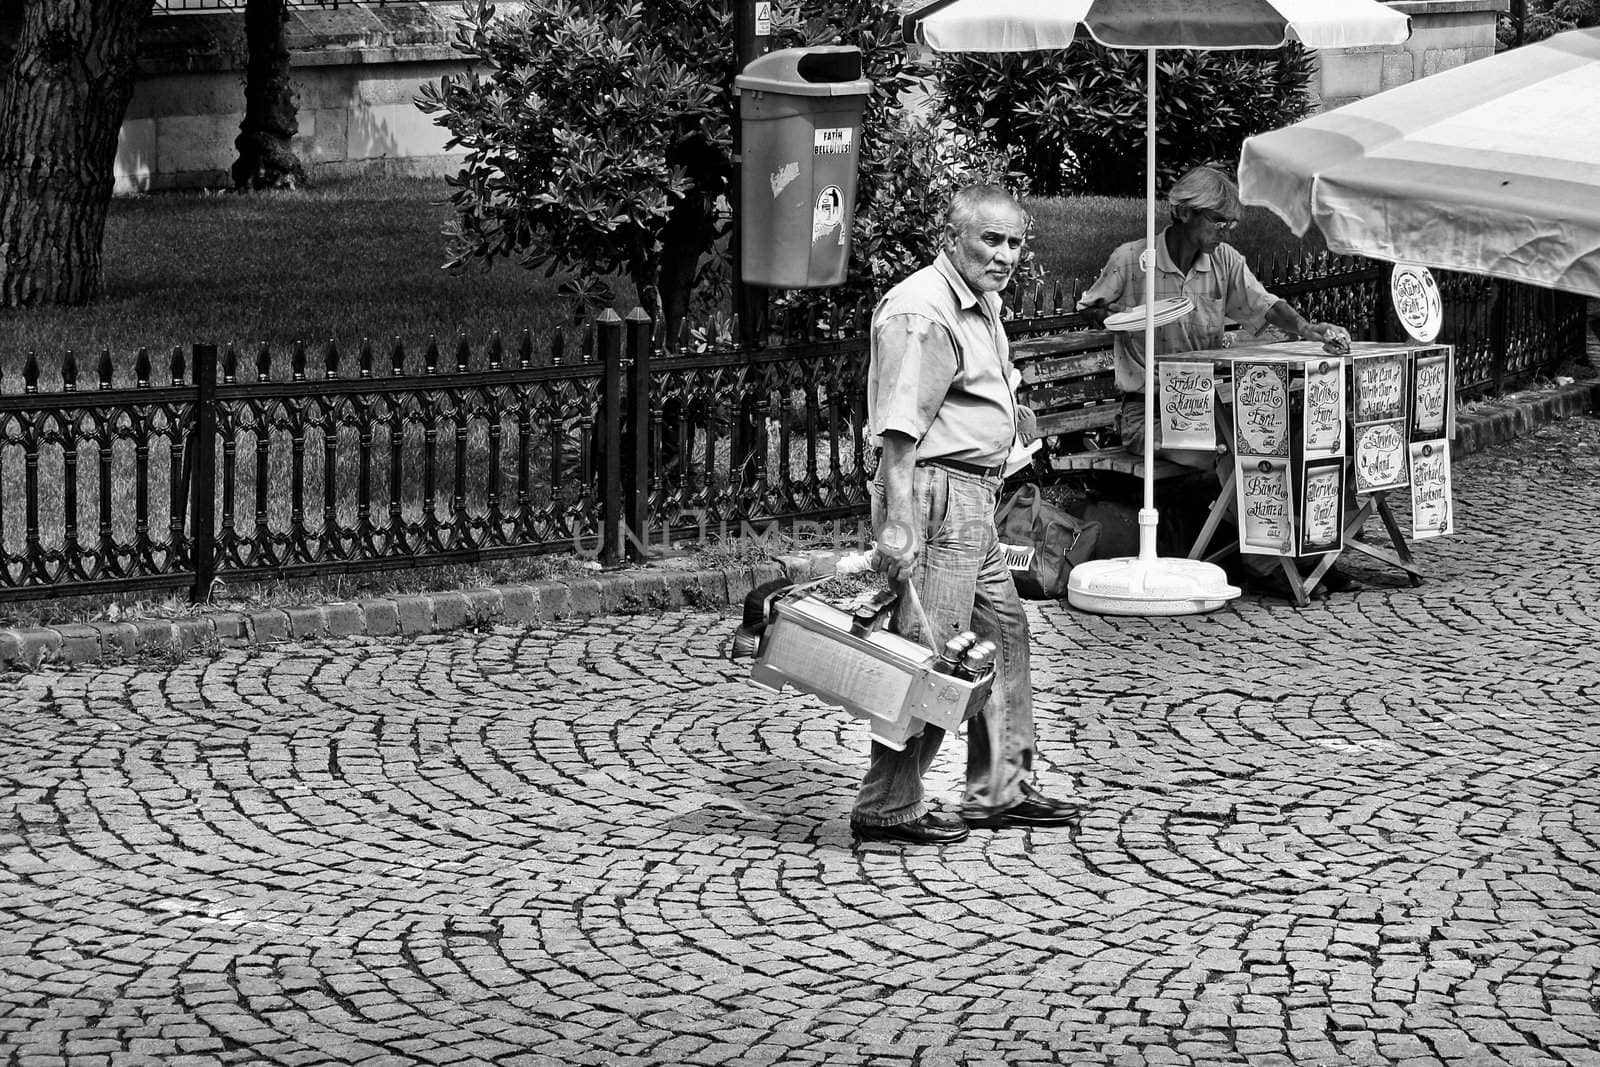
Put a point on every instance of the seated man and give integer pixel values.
(1192, 260)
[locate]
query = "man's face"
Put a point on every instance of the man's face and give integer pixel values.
(1207, 228)
(986, 251)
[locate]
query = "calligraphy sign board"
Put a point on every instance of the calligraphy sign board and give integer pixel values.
(1431, 512)
(1432, 394)
(1265, 504)
(1378, 383)
(1261, 407)
(1322, 430)
(1321, 513)
(1379, 456)
(1432, 425)
(1188, 404)
(1263, 438)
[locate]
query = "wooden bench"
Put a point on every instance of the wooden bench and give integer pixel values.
(1069, 381)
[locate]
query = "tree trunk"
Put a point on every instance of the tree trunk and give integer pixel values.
(62, 101)
(271, 111)
(681, 240)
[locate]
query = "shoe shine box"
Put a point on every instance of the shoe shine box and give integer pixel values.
(872, 674)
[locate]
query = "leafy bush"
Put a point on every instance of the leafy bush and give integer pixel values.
(598, 140)
(908, 173)
(1542, 18)
(1073, 121)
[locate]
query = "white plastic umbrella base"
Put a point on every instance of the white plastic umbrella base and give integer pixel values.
(1147, 584)
(1132, 585)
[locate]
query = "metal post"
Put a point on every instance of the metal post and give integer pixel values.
(1499, 296)
(636, 465)
(752, 25)
(202, 453)
(609, 337)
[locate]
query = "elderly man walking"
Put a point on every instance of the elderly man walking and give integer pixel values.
(941, 402)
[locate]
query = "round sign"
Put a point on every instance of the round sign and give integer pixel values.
(1416, 301)
(828, 214)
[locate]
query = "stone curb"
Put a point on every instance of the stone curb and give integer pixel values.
(627, 592)
(1493, 422)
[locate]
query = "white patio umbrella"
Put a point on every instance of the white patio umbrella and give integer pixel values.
(1148, 584)
(1490, 168)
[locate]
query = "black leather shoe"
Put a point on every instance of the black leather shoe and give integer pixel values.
(1036, 809)
(931, 829)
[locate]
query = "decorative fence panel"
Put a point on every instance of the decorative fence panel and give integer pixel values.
(743, 438)
(259, 466)
(1504, 333)
(272, 471)
(453, 464)
(1348, 290)
(87, 478)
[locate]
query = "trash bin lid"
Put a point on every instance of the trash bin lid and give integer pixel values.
(826, 70)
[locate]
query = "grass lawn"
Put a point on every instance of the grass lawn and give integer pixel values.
(358, 258)
(342, 260)
(1073, 235)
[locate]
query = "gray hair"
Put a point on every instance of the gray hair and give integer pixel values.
(1203, 189)
(968, 202)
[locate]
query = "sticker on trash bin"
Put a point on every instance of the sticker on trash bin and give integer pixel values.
(831, 140)
(1417, 302)
(783, 177)
(828, 215)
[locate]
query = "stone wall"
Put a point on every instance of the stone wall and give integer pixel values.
(357, 70)
(1444, 34)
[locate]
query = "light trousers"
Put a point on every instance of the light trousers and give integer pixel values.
(964, 584)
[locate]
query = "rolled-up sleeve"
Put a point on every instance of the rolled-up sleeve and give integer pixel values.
(914, 362)
(1108, 287)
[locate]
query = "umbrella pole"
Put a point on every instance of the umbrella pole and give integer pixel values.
(1149, 517)
(1145, 584)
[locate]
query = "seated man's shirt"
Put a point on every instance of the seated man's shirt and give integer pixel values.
(1220, 284)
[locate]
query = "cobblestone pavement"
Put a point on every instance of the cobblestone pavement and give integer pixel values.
(1363, 832)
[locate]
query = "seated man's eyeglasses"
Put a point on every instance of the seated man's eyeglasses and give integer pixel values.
(1219, 220)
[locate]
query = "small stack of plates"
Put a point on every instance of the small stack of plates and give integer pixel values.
(1167, 311)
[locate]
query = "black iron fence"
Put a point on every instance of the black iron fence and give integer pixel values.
(278, 464)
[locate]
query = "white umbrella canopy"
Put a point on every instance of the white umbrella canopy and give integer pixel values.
(1148, 585)
(1491, 168)
(1047, 25)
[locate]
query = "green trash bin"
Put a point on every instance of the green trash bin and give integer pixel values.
(800, 127)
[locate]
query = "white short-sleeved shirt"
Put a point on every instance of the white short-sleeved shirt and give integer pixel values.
(941, 369)
(1220, 284)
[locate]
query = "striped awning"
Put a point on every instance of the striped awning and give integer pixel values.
(1492, 168)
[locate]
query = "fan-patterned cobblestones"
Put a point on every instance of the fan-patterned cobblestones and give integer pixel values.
(1361, 833)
